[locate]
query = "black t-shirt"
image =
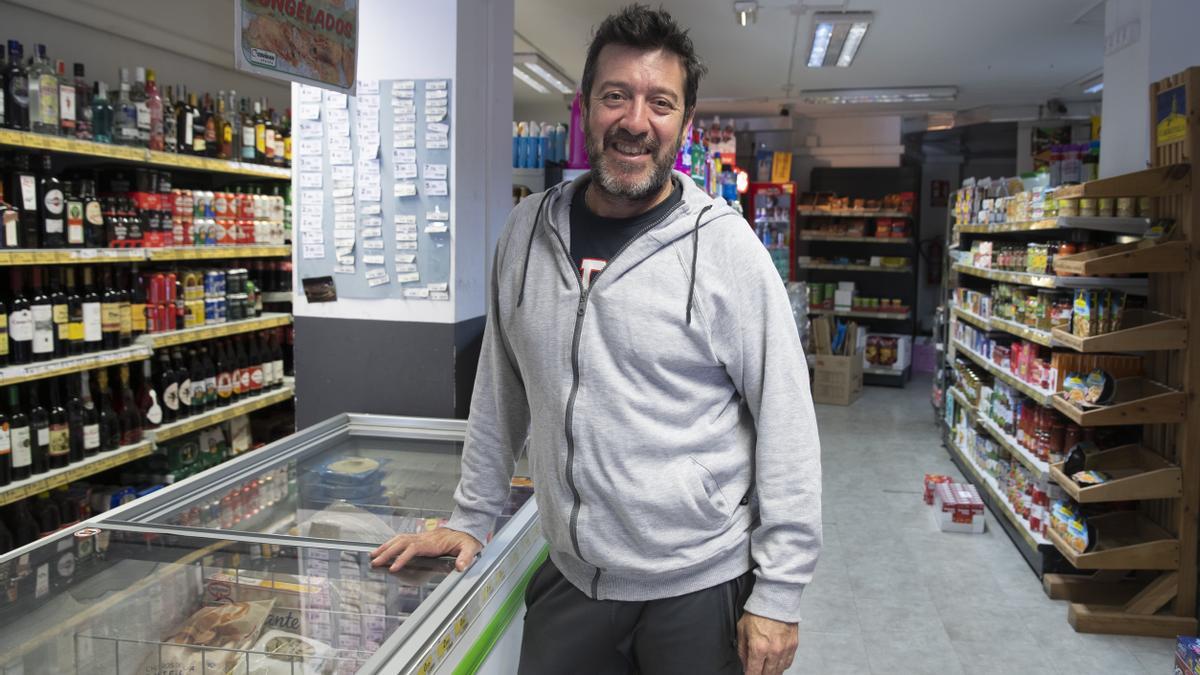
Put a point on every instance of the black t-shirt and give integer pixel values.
(596, 239)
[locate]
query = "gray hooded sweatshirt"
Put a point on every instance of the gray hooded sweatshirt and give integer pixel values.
(670, 429)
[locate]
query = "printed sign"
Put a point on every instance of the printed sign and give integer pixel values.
(308, 41)
(1171, 110)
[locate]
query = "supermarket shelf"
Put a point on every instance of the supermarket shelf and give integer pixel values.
(1138, 400)
(816, 236)
(970, 317)
(1042, 396)
(277, 296)
(1125, 540)
(858, 314)
(853, 268)
(1162, 181)
(1139, 257)
(91, 256)
(1143, 331)
(72, 364)
(1040, 337)
(997, 502)
(1128, 285)
(852, 213)
(121, 153)
(1022, 455)
(42, 482)
(198, 422)
(962, 400)
(1136, 473)
(1100, 224)
(178, 337)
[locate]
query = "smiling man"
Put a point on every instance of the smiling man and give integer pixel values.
(639, 339)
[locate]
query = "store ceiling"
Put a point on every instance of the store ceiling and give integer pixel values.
(996, 53)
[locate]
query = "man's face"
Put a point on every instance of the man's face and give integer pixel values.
(635, 120)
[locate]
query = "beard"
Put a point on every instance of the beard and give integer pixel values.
(609, 171)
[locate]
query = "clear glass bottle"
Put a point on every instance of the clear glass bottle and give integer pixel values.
(43, 94)
(102, 114)
(154, 107)
(125, 125)
(141, 107)
(66, 101)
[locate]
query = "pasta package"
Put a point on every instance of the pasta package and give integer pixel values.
(223, 628)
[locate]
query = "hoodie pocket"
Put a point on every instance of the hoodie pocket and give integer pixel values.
(707, 492)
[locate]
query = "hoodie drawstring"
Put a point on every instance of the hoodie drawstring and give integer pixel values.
(529, 246)
(695, 254)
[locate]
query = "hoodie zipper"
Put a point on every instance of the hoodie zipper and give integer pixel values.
(580, 311)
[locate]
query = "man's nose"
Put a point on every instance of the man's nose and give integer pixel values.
(636, 120)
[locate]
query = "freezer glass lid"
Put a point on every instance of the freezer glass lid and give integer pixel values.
(103, 600)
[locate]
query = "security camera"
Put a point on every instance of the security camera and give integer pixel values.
(785, 110)
(1055, 108)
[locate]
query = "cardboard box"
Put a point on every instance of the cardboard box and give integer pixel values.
(843, 299)
(837, 379)
(957, 508)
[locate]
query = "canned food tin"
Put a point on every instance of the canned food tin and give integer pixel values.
(1127, 207)
(1104, 206)
(1088, 207)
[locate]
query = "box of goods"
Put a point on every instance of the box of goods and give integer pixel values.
(957, 508)
(1187, 655)
(211, 640)
(837, 379)
(888, 351)
(932, 480)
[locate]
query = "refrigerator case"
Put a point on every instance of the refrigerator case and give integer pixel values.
(771, 211)
(262, 566)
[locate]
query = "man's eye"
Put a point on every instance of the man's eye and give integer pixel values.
(613, 96)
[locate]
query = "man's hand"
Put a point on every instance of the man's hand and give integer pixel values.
(766, 646)
(441, 541)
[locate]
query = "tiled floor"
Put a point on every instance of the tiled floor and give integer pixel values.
(892, 594)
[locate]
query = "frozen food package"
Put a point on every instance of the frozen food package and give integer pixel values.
(280, 653)
(347, 522)
(226, 628)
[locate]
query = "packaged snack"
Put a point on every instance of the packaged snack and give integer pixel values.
(226, 627)
(1116, 311)
(1099, 388)
(1081, 319)
(1090, 477)
(279, 653)
(1074, 387)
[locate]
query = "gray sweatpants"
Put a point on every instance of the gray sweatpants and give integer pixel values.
(568, 632)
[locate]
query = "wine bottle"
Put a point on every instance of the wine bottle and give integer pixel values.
(91, 417)
(5, 452)
(125, 309)
(39, 425)
(75, 423)
(4, 348)
(131, 417)
(196, 375)
(52, 205)
(184, 377)
(75, 344)
(110, 312)
(110, 426)
(94, 233)
(137, 303)
(60, 432)
(42, 312)
(210, 379)
(22, 194)
(93, 325)
(152, 412)
(257, 375)
(20, 322)
(20, 436)
(61, 314)
(224, 375)
(168, 388)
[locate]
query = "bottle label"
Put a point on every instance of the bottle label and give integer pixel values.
(126, 314)
(20, 325)
(236, 381)
(3, 335)
(227, 134)
(224, 385)
(138, 317)
(129, 133)
(5, 443)
(269, 142)
(43, 329)
(28, 192)
(75, 330)
(10, 218)
(48, 84)
(43, 437)
(22, 450)
(92, 327)
(198, 392)
(154, 412)
(142, 113)
(93, 214)
(66, 106)
(278, 146)
(210, 388)
(245, 380)
(277, 366)
(91, 436)
(110, 317)
(62, 326)
(198, 144)
(256, 378)
(171, 396)
(74, 222)
(185, 393)
(187, 130)
(60, 441)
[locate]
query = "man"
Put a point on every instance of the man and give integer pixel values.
(639, 336)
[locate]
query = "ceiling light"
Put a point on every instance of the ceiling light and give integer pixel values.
(837, 37)
(535, 63)
(1095, 88)
(746, 12)
(533, 84)
(880, 95)
(1093, 85)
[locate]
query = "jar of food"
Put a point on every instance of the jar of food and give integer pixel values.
(1127, 207)
(1088, 208)
(1145, 207)
(1104, 207)
(1056, 451)
(1068, 208)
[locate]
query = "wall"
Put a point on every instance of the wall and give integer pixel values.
(548, 108)
(864, 141)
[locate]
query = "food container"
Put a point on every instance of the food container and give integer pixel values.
(1145, 207)
(1088, 208)
(1127, 207)
(1068, 207)
(1104, 207)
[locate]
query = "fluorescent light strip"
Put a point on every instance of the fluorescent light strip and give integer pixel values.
(1095, 88)
(533, 84)
(548, 77)
(853, 40)
(820, 45)
(885, 95)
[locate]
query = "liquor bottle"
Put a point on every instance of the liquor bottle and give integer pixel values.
(20, 322)
(257, 375)
(233, 117)
(199, 140)
(210, 378)
(279, 141)
(93, 215)
(125, 114)
(276, 359)
(212, 128)
(170, 126)
(61, 315)
(196, 377)
(154, 108)
(20, 435)
(268, 135)
(16, 89)
(42, 311)
(237, 361)
(5, 456)
(183, 123)
(247, 144)
(110, 426)
(147, 398)
(52, 205)
(91, 417)
(137, 303)
(3, 58)
(60, 432)
(74, 214)
(102, 114)
(168, 388)
(131, 416)
(83, 105)
(39, 425)
(287, 138)
(224, 372)
(75, 421)
(3, 332)
(75, 344)
(225, 127)
(67, 111)
(137, 95)
(125, 308)
(110, 311)
(93, 322)
(22, 195)
(260, 134)
(43, 94)
(183, 375)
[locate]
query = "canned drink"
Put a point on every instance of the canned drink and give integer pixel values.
(210, 310)
(212, 283)
(156, 289)
(164, 317)
(171, 294)
(222, 311)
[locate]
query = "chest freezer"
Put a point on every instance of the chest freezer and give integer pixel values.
(262, 565)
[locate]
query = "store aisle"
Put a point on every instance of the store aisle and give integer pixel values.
(892, 594)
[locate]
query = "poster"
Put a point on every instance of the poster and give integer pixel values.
(1170, 109)
(307, 41)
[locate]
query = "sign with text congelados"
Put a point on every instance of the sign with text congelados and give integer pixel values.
(308, 41)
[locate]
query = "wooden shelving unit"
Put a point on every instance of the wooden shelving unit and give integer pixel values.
(1145, 559)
